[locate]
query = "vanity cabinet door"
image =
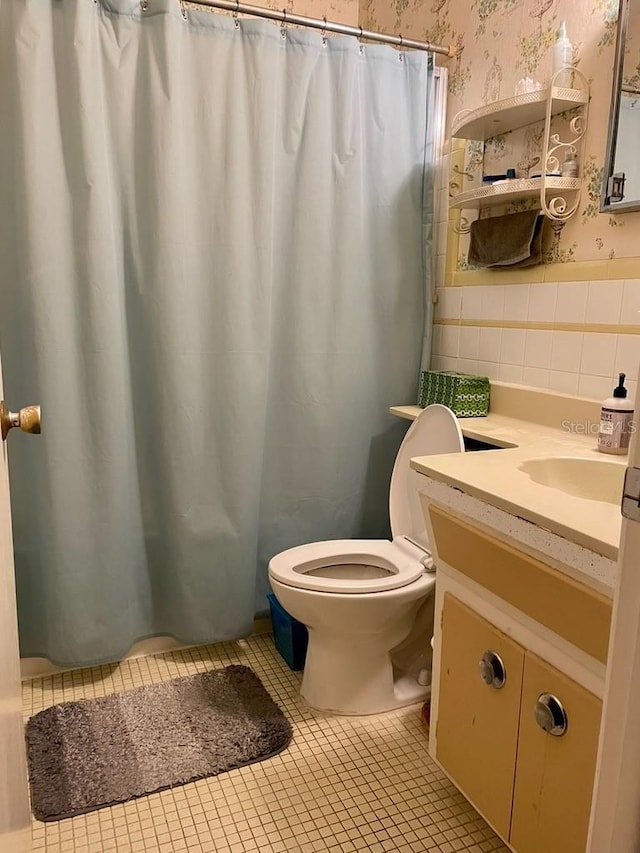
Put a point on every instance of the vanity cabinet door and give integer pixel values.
(554, 770)
(478, 711)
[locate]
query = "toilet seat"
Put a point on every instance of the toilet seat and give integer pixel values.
(366, 565)
(360, 565)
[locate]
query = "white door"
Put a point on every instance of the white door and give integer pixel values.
(15, 818)
(615, 816)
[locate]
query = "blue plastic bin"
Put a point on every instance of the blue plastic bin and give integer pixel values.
(291, 637)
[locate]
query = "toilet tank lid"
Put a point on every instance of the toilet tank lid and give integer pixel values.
(436, 430)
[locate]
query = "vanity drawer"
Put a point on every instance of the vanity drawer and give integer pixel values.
(570, 609)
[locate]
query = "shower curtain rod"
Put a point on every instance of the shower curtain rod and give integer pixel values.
(321, 24)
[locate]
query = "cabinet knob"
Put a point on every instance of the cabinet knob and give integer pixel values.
(550, 715)
(492, 670)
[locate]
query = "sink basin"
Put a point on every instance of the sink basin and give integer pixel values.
(591, 479)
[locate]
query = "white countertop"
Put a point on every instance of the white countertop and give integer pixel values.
(495, 476)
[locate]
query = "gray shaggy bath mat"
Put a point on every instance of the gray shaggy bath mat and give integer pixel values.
(96, 752)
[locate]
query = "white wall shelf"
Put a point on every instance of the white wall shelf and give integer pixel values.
(511, 113)
(520, 188)
(559, 197)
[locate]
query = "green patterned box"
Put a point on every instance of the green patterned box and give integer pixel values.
(467, 396)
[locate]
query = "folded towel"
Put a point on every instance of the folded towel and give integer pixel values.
(511, 240)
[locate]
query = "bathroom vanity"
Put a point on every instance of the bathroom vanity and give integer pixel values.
(525, 541)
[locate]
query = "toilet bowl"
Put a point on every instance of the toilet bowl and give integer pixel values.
(361, 599)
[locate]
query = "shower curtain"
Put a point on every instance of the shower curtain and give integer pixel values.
(212, 277)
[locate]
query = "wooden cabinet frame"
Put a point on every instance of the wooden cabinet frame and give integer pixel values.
(533, 787)
(568, 665)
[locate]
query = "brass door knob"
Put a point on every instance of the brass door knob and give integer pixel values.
(27, 419)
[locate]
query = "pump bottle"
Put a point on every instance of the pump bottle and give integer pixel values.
(562, 58)
(616, 421)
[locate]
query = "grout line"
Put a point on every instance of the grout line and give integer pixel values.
(600, 328)
(568, 273)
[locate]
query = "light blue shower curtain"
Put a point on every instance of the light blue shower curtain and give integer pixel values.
(212, 277)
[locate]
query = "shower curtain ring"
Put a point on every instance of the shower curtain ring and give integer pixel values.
(361, 46)
(183, 9)
(401, 54)
(144, 5)
(283, 28)
(324, 31)
(236, 22)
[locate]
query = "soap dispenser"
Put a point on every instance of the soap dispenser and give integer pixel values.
(616, 421)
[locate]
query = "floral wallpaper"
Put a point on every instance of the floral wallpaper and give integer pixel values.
(342, 11)
(501, 41)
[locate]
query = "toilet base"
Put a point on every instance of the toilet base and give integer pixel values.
(357, 682)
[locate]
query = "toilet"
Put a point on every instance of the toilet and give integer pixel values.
(363, 600)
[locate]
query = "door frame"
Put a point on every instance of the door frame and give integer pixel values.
(15, 812)
(615, 826)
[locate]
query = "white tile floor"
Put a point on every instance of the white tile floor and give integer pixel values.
(345, 783)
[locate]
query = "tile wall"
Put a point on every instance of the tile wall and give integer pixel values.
(571, 336)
